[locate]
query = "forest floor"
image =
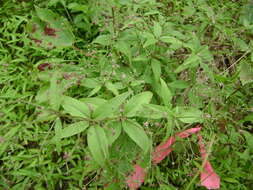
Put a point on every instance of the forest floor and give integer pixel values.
(88, 89)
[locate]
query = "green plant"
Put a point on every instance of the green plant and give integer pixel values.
(81, 103)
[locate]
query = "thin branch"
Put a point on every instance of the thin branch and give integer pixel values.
(237, 61)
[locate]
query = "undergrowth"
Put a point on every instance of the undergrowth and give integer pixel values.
(89, 88)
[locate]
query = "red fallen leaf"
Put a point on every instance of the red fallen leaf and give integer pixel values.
(44, 66)
(164, 149)
(189, 132)
(208, 177)
(49, 31)
(137, 178)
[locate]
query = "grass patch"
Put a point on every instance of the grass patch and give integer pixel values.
(89, 88)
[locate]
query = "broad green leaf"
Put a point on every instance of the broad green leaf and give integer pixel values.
(119, 85)
(46, 115)
(46, 15)
(76, 7)
(194, 44)
(137, 134)
(55, 92)
(104, 40)
(188, 11)
(73, 129)
(53, 2)
(249, 139)
(194, 99)
(150, 39)
(49, 30)
(156, 68)
(136, 102)
(245, 155)
(149, 42)
(112, 88)
(90, 83)
(249, 117)
(113, 131)
(205, 54)
(75, 107)
(209, 11)
(57, 130)
(147, 35)
(241, 44)
(246, 17)
(166, 94)
(230, 180)
(137, 82)
(57, 127)
(94, 91)
(178, 35)
(179, 84)
(157, 29)
(98, 144)
(209, 72)
(141, 57)
(93, 103)
(152, 111)
(189, 114)
(42, 95)
(175, 43)
(107, 109)
(246, 73)
(191, 61)
(124, 48)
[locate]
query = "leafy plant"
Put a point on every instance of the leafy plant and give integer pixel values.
(49, 30)
(89, 88)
